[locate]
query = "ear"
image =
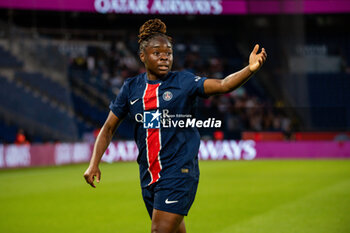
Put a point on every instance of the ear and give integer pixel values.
(142, 57)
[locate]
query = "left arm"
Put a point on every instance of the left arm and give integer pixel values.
(235, 80)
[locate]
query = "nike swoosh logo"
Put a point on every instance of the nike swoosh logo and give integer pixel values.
(170, 202)
(134, 101)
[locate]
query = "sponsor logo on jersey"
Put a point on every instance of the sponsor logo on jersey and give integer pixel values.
(132, 102)
(151, 119)
(155, 119)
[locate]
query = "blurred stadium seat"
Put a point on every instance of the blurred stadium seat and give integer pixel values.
(33, 108)
(72, 70)
(7, 60)
(45, 86)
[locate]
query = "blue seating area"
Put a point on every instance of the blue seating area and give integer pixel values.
(23, 103)
(45, 85)
(87, 110)
(7, 132)
(329, 99)
(83, 127)
(7, 60)
(93, 81)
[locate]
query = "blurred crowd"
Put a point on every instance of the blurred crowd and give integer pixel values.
(241, 110)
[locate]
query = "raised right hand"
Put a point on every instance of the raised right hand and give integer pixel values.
(256, 60)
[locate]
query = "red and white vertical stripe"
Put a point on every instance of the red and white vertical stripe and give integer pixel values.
(153, 136)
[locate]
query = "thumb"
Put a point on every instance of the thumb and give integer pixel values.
(98, 177)
(256, 48)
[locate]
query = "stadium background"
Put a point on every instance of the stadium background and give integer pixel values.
(61, 64)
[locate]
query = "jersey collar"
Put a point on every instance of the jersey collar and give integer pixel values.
(169, 80)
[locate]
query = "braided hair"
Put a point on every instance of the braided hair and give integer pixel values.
(151, 29)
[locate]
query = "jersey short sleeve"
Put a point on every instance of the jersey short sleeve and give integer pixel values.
(196, 85)
(120, 105)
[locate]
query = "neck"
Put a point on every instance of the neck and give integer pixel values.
(151, 76)
(154, 77)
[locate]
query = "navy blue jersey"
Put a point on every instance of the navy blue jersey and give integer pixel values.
(167, 140)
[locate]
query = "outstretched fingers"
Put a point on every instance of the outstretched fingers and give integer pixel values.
(256, 49)
(263, 52)
(262, 56)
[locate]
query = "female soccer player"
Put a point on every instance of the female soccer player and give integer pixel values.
(168, 154)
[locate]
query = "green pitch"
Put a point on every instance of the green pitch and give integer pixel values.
(233, 196)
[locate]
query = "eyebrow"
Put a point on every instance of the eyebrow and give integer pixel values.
(157, 46)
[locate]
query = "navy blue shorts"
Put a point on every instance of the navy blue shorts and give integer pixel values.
(174, 195)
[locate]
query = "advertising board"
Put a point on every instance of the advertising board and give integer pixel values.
(180, 7)
(13, 156)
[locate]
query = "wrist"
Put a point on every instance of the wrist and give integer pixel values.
(250, 70)
(93, 165)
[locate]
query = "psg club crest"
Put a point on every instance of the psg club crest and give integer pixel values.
(167, 96)
(151, 119)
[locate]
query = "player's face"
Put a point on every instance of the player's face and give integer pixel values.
(157, 57)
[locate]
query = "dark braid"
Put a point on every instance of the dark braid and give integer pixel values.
(151, 29)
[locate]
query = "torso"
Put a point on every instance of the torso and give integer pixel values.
(165, 150)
